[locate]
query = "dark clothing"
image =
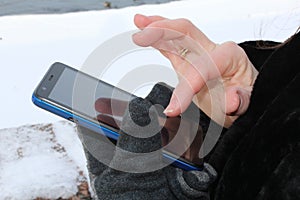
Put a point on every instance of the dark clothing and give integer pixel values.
(135, 168)
(258, 157)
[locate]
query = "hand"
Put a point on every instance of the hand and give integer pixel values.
(164, 181)
(174, 183)
(200, 63)
(111, 112)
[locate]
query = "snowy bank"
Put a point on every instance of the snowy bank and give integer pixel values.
(43, 160)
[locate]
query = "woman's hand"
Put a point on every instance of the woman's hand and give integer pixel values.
(218, 78)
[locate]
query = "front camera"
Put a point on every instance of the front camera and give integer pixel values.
(50, 78)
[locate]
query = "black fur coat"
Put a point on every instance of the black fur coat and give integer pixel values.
(259, 156)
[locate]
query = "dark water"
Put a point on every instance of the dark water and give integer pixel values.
(15, 7)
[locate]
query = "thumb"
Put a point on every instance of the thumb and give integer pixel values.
(237, 101)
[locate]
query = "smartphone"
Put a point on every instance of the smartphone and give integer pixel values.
(72, 94)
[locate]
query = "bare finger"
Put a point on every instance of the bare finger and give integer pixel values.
(141, 21)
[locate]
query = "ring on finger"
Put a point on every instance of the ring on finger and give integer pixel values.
(183, 52)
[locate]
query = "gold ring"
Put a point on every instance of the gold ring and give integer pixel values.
(183, 52)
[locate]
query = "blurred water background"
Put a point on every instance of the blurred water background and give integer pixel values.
(16, 7)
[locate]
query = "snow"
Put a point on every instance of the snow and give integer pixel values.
(43, 160)
(29, 44)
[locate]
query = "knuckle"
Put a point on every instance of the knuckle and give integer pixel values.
(234, 49)
(185, 22)
(230, 44)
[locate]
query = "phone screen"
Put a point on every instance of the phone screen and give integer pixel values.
(82, 94)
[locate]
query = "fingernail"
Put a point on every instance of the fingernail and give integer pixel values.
(171, 107)
(168, 110)
(137, 34)
(138, 14)
(134, 35)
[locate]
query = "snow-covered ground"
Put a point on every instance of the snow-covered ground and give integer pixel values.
(41, 160)
(29, 44)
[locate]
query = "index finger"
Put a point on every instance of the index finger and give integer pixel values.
(155, 30)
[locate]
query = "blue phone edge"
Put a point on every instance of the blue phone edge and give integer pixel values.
(101, 130)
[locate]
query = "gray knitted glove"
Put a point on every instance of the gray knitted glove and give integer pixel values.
(136, 168)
